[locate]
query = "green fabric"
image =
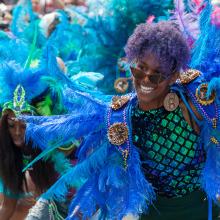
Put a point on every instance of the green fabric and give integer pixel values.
(172, 158)
(190, 207)
(44, 107)
(26, 160)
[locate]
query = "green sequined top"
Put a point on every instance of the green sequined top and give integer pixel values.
(172, 158)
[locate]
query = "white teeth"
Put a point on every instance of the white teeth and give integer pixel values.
(145, 89)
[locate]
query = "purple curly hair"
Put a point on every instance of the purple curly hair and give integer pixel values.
(164, 40)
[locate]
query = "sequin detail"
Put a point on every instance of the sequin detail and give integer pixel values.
(171, 157)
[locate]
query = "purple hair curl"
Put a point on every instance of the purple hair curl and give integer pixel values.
(164, 40)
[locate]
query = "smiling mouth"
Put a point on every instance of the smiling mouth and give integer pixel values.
(146, 89)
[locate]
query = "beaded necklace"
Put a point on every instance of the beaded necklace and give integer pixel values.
(124, 149)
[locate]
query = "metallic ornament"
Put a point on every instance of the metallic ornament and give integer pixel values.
(121, 85)
(189, 76)
(118, 134)
(201, 95)
(19, 98)
(19, 105)
(214, 123)
(171, 102)
(125, 154)
(119, 101)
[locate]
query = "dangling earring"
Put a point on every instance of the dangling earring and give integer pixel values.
(171, 101)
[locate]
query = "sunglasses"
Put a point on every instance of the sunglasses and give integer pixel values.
(155, 78)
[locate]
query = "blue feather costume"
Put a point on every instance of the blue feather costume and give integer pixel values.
(110, 173)
(107, 182)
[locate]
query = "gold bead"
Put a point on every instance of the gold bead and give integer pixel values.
(214, 140)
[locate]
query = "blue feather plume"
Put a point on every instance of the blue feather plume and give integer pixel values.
(116, 191)
(206, 53)
(12, 74)
(100, 173)
(211, 172)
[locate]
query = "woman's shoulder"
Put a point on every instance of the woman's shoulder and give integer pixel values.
(195, 92)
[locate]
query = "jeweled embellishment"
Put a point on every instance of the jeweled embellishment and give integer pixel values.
(201, 95)
(214, 140)
(189, 76)
(118, 134)
(119, 101)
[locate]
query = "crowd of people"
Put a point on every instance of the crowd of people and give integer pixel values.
(109, 110)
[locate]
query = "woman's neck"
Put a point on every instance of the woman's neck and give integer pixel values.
(152, 105)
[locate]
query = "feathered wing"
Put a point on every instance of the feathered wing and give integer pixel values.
(76, 176)
(206, 57)
(211, 172)
(59, 131)
(54, 131)
(100, 175)
(104, 183)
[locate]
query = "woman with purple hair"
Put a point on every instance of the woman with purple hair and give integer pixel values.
(165, 123)
(150, 154)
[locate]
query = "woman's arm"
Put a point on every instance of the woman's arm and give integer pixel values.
(8, 205)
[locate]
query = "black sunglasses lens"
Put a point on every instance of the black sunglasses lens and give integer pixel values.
(156, 78)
